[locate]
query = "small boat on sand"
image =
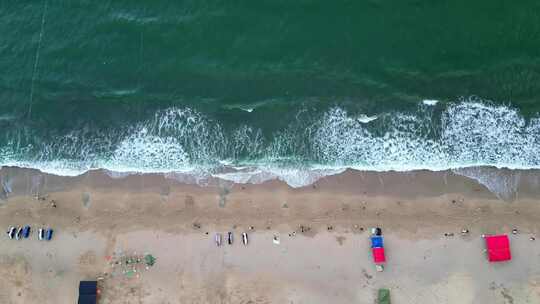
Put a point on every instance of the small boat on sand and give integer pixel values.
(26, 231)
(245, 238)
(49, 234)
(218, 239)
(18, 234)
(230, 238)
(11, 232)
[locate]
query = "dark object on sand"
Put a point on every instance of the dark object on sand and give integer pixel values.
(26, 231)
(230, 238)
(383, 296)
(88, 292)
(49, 234)
(304, 229)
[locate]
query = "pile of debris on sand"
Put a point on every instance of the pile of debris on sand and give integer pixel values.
(129, 265)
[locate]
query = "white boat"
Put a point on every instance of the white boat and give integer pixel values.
(244, 238)
(11, 232)
(18, 235)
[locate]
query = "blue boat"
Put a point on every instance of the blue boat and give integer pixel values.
(49, 234)
(26, 231)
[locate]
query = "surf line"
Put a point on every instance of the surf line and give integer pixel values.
(36, 59)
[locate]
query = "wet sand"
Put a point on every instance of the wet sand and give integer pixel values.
(97, 216)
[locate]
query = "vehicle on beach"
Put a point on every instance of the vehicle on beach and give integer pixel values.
(49, 234)
(26, 231)
(245, 238)
(41, 234)
(230, 238)
(218, 239)
(11, 232)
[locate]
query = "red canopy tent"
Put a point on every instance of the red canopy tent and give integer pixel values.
(498, 248)
(378, 255)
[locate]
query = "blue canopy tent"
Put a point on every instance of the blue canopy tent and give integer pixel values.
(377, 241)
(87, 292)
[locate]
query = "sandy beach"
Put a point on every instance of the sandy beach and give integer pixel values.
(96, 216)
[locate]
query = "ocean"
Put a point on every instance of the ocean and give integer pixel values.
(251, 91)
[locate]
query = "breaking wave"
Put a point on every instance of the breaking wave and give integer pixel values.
(186, 142)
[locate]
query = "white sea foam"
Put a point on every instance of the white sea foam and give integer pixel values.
(469, 134)
(117, 174)
(430, 102)
(143, 151)
(366, 119)
(293, 177)
(343, 141)
(7, 117)
(181, 142)
(60, 168)
(475, 133)
(504, 184)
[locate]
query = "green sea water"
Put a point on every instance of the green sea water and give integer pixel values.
(169, 85)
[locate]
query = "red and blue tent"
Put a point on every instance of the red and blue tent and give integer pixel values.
(377, 249)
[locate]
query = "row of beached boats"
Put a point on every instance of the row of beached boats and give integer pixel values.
(230, 238)
(18, 233)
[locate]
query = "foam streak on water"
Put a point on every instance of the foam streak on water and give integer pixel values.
(184, 141)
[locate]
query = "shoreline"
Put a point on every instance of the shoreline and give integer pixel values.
(505, 184)
(95, 216)
(368, 196)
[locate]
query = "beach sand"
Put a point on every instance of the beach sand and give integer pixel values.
(96, 216)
